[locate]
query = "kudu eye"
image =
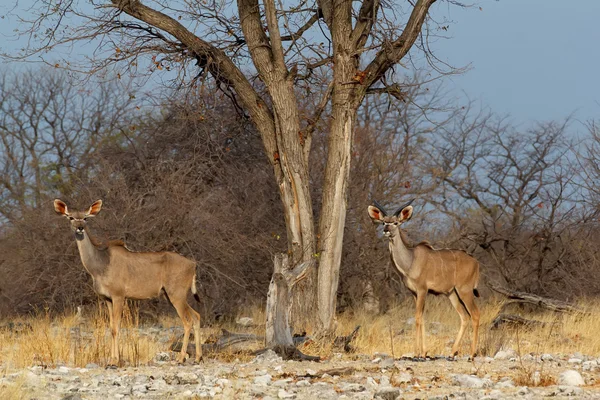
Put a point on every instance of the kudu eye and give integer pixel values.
(85, 218)
(71, 218)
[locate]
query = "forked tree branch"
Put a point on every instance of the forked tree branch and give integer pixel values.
(364, 24)
(393, 52)
(214, 59)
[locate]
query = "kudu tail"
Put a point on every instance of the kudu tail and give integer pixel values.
(475, 291)
(194, 290)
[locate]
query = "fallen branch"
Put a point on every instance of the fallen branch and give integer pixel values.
(228, 341)
(523, 297)
(512, 320)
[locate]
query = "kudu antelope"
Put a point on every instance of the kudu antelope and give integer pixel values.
(425, 270)
(119, 274)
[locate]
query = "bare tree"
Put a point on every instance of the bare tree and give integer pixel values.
(352, 47)
(49, 128)
(519, 194)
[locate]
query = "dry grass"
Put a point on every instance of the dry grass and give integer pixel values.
(391, 334)
(71, 341)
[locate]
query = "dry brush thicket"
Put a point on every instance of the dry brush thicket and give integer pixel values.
(192, 178)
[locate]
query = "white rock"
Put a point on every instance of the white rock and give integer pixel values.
(505, 354)
(403, 377)
(504, 384)
(268, 356)
(303, 382)
(282, 382)
(282, 394)
(376, 360)
(371, 382)
(384, 381)
(470, 381)
(222, 382)
(589, 365)
(263, 380)
(523, 390)
(547, 357)
(63, 370)
(576, 361)
(570, 378)
(388, 393)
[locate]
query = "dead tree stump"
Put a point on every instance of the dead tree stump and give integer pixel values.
(278, 334)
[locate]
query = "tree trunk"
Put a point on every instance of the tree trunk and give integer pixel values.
(278, 333)
(337, 171)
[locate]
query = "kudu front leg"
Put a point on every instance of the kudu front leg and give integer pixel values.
(419, 324)
(115, 310)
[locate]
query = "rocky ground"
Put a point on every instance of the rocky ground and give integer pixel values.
(506, 376)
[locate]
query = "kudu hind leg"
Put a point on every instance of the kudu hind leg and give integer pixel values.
(468, 298)
(464, 320)
(185, 313)
(196, 321)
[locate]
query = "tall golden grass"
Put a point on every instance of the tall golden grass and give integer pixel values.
(75, 342)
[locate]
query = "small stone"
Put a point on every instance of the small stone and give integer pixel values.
(282, 394)
(387, 363)
(589, 365)
(162, 357)
(547, 357)
(282, 382)
(504, 384)
(505, 354)
(570, 378)
(388, 394)
(91, 366)
(303, 382)
(268, 356)
(384, 381)
(575, 361)
(63, 370)
(470, 381)
(263, 380)
(139, 389)
(523, 390)
(401, 378)
(376, 360)
(187, 378)
(371, 382)
(222, 382)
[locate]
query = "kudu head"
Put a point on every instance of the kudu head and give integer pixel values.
(78, 218)
(391, 223)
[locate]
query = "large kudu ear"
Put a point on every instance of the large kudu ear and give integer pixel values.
(94, 209)
(405, 212)
(376, 212)
(60, 207)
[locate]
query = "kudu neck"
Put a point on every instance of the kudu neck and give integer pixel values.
(401, 254)
(94, 259)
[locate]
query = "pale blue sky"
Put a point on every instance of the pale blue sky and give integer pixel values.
(530, 59)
